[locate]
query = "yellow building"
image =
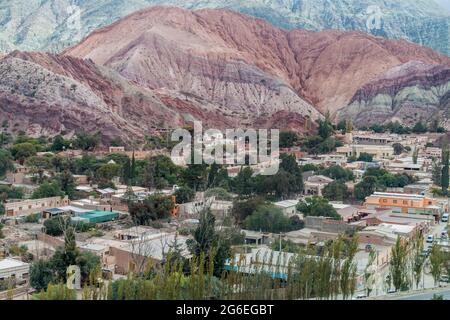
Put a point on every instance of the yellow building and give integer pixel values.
(377, 151)
(405, 203)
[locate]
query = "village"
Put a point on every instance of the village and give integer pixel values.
(378, 191)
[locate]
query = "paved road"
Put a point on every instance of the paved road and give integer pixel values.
(426, 296)
(417, 295)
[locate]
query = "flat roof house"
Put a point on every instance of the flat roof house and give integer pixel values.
(14, 269)
(405, 203)
(377, 151)
(26, 207)
(289, 207)
(314, 185)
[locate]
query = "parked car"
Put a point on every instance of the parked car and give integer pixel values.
(430, 238)
(392, 291)
(444, 278)
(425, 253)
(445, 217)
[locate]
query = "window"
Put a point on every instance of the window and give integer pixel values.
(385, 200)
(395, 201)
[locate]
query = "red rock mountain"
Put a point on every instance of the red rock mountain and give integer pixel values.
(240, 61)
(45, 94)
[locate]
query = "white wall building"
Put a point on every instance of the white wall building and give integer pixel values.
(14, 269)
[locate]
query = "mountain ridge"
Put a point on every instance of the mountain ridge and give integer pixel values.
(422, 22)
(303, 60)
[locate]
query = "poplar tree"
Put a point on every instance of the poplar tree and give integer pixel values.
(445, 169)
(398, 265)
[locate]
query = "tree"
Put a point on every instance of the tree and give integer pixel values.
(219, 193)
(342, 126)
(210, 243)
(268, 219)
(336, 172)
(419, 127)
(418, 259)
(66, 182)
(154, 207)
(47, 190)
(59, 143)
(86, 141)
(107, 172)
(53, 226)
(370, 272)
(126, 172)
(365, 157)
(317, 207)
(445, 169)
(22, 151)
(325, 128)
(436, 172)
(244, 183)
(7, 192)
(184, 195)
(398, 148)
(218, 177)
(6, 162)
(242, 209)
(159, 171)
(41, 274)
(336, 191)
(398, 268)
(349, 269)
(437, 262)
(2, 209)
(133, 168)
(288, 139)
(365, 188)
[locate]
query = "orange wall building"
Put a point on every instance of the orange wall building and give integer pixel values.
(405, 203)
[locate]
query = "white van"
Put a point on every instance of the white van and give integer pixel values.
(445, 217)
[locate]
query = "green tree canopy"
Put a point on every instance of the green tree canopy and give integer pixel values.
(86, 141)
(6, 162)
(22, 151)
(268, 219)
(47, 190)
(366, 187)
(336, 191)
(288, 139)
(336, 172)
(184, 194)
(317, 207)
(154, 207)
(365, 157)
(243, 208)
